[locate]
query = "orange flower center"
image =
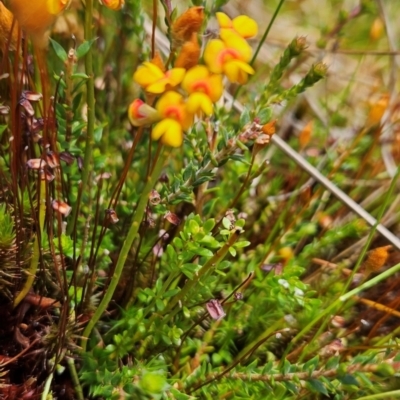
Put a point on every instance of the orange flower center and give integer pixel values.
(228, 55)
(201, 86)
(174, 112)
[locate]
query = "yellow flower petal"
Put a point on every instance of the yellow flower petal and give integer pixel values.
(187, 120)
(217, 88)
(175, 76)
(194, 74)
(237, 71)
(147, 73)
(223, 20)
(242, 25)
(212, 55)
(233, 41)
(154, 80)
(199, 103)
(172, 105)
(245, 26)
(157, 87)
(169, 131)
(168, 99)
(199, 79)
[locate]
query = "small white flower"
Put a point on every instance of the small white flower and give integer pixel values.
(298, 292)
(284, 283)
(290, 319)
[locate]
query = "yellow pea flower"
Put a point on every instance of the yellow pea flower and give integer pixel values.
(176, 119)
(154, 80)
(242, 25)
(169, 132)
(229, 57)
(199, 103)
(204, 88)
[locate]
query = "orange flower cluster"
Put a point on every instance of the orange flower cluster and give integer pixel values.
(190, 89)
(35, 17)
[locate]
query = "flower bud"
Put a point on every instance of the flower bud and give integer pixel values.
(112, 216)
(298, 45)
(113, 4)
(62, 207)
(36, 163)
(376, 258)
(215, 310)
(52, 159)
(172, 218)
(141, 114)
(154, 197)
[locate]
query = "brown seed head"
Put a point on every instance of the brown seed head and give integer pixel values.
(185, 25)
(376, 258)
(189, 55)
(157, 60)
(269, 128)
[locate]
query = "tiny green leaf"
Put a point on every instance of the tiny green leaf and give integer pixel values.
(79, 75)
(317, 387)
(84, 48)
(59, 50)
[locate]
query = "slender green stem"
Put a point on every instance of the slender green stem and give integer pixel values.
(75, 379)
(385, 395)
(305, 376)
(211, 263)
(164, 288)
(360, 258)
(342, 299)
(232, 204)
(36, 245)
(266, 33)
(46, 389)
(381, 212)
(137, 218)
(243, 355)
(264, 37)
(90, 101)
